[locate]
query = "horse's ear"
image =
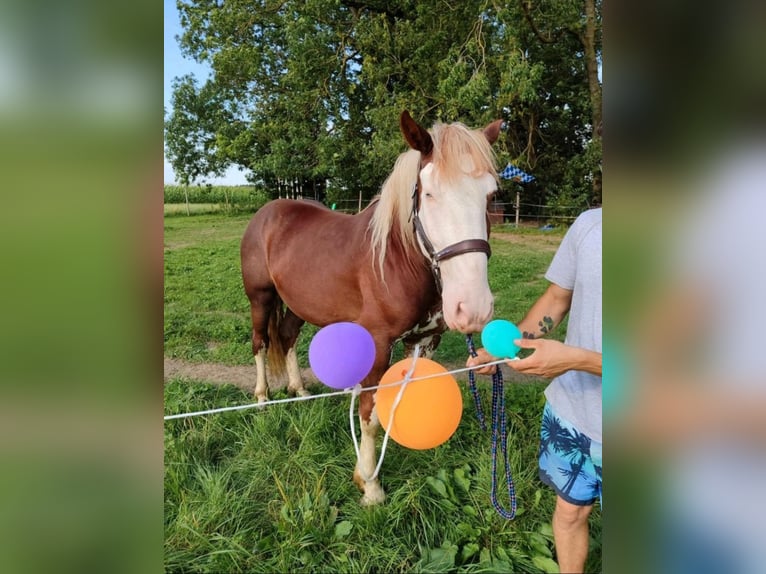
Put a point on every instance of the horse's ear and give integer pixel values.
(416, 136)
(492, 131)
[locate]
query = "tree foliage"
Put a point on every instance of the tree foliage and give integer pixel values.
(308, 93)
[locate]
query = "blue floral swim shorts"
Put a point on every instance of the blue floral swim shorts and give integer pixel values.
(569, 461)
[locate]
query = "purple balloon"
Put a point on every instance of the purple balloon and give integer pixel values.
(342, 354)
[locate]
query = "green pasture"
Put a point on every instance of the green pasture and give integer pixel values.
(269, 489)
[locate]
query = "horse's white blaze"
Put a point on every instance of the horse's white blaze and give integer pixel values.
(452, 212)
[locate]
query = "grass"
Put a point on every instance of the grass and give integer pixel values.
(193, 208)
(270, 490)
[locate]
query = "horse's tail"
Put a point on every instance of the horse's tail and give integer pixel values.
(276, 349)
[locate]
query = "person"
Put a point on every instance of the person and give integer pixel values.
(570, 446)
(697, 371)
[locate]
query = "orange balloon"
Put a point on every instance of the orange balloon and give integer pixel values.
(429, 411)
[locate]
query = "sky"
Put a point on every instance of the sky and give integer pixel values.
(176, 65)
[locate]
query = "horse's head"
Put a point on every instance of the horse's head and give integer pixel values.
(457, 176)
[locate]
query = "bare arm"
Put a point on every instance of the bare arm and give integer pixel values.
(544, 316)
(546, 313)
(552, 358)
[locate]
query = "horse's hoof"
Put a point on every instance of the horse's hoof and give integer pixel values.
(374, 499)
(262, 399)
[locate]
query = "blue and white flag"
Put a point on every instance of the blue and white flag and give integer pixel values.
(513, 172)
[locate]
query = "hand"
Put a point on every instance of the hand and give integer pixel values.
(482, 357)
(550, 359)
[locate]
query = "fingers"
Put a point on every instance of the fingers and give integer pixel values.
(520, 365)
(528, 343)
(490, 370)
(482, 357)
(482, 370)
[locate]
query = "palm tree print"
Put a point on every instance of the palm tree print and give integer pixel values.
(569, 444)
(553, 433)
(578, 446)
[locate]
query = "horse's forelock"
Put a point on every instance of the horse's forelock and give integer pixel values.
(460, 151)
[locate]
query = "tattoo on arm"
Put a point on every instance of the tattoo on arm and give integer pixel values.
(546, 325)
(527, 335)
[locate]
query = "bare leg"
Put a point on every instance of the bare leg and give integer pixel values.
(570, 532)
(261, 388)
(295, 381)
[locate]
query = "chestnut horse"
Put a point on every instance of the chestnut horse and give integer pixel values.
(413, 260)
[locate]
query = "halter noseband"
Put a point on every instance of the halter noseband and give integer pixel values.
(436, 257)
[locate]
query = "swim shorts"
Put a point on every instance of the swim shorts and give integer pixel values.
(569, 461)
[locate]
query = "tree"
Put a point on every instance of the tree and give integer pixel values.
(311, 91)
(190, 132)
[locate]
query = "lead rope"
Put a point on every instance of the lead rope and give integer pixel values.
(498, 427)
(356, 392)
(472, 385)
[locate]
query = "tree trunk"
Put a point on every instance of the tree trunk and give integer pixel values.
(594, 87)
(186, 196)
(591, 63)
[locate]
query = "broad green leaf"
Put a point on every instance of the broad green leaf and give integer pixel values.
(437, 485)
(469, 550)
(343, 529)
(545, 564)
(461, 480)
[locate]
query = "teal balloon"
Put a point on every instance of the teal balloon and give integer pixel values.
(497, 338)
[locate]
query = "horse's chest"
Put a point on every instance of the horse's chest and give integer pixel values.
(426, 333)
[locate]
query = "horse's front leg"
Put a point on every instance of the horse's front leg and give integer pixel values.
(365, 466)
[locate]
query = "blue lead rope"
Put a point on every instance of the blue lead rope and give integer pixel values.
(498, 427)
(472, 385)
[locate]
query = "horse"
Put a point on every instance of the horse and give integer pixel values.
(410, 265)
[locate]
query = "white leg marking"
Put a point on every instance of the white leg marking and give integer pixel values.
(294, 379)
(373, 492)
(261, 388)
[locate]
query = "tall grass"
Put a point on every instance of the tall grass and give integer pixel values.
(270, 490)
(195, 199)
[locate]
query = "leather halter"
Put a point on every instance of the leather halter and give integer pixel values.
(436, 257)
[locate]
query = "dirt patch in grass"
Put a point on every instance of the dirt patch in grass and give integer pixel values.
(544, 242)
(243, 376)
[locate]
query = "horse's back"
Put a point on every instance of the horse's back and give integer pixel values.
(286, 218)
(300, 246)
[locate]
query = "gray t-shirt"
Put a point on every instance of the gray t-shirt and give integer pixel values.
(576, 395)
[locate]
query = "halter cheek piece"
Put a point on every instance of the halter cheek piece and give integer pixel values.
(436, 257)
